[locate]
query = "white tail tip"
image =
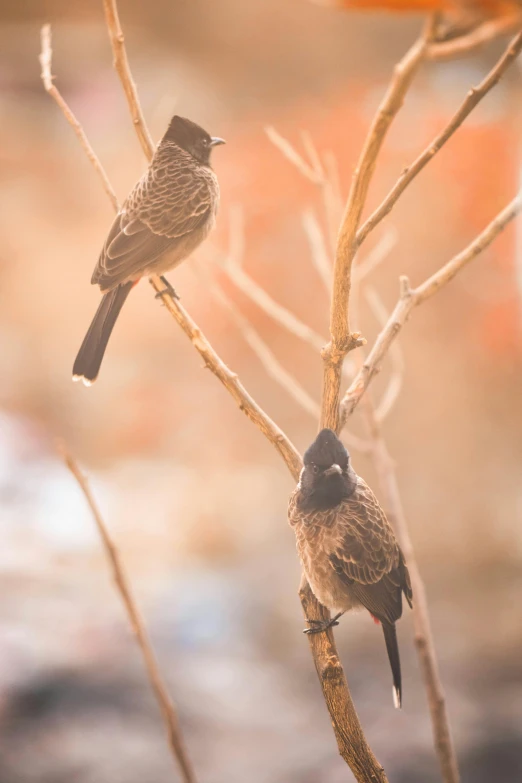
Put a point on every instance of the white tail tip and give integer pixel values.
(396, 698)
(85, 381)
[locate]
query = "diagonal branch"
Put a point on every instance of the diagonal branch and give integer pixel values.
(138, 626)
(473, 98)
(341, 338)
(230, 380)
(274, 368)
(392, 391)
(410, 298)
(233, 268)
(46, 57)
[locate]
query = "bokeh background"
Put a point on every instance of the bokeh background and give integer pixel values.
(193, 494)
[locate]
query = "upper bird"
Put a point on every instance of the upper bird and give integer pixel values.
(347, 547)
(169, 212)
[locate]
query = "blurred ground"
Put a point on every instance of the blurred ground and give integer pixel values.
(195, 497)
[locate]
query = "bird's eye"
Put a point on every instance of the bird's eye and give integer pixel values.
(315, 470)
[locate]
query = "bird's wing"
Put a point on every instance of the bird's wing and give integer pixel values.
(166, 205)
(367, 557)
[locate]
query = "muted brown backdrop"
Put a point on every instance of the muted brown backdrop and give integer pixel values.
(195, 497)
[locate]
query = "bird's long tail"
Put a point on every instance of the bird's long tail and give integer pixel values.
(390, 637)
(89, 358)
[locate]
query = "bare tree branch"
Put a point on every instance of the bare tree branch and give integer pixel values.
(341, 338)
(121, 64)
(478, 37)
(122, 583)
(473, 98)
(46, 56)
(410, 298)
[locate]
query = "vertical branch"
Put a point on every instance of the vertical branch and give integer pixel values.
(443, 740)
(341, 338)
(121, 63)
(138, 626)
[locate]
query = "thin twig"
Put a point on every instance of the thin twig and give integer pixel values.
(473, 98)
(290, 153)
(392, 391)
(270, 306)
(266, 356)
(387, 476)
(138, 627)
(319, 253)
(46, 56)
(377, 255)
(478, 37)
(341, 338)
(410, 298)
(233, 268)
(121, 64)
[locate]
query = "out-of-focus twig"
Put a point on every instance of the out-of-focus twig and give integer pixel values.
(46, 56)
(319, 253)
(233, 268)
(377, 255)
(489, 31)
(411, 297)
(308, 171)
(123, 587)
(342, 340)
(385, 468)
(121, 64)
(266, 356)
(473, 98)
(392, 391)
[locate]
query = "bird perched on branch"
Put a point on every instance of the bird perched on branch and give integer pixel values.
(169, 212)
(347, 547)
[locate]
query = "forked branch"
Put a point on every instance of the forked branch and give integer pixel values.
(411, 297)
(341, 338)
(473, 98)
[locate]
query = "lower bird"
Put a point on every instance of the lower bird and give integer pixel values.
(349, 552)
(169, 212)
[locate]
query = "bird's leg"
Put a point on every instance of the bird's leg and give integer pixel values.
(322, 625)
(167, 290)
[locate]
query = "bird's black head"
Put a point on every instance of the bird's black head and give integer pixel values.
(192, 138)
(326, 478)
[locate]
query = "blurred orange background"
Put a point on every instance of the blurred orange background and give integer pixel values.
(194, 495)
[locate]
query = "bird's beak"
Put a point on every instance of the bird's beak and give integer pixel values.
(215, 141)
(333, 469)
